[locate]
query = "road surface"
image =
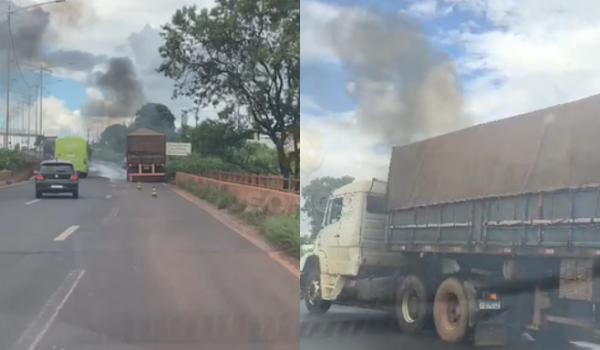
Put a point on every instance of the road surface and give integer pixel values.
(346, 328)
(118, 269)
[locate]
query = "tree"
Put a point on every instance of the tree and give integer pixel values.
(219, 137)
(154, 116)
(240, 53)
(228, 140)
(315, 195)
(114, 137)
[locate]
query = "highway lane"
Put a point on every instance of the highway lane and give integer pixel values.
(346, 328)
(118, 269)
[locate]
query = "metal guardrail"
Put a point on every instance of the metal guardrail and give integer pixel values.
(278, 183)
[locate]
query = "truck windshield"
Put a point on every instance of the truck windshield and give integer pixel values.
(376, 204)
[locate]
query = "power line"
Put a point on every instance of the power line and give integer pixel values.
(12, 43)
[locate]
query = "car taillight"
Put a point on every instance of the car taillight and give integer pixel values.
(73, 177)
(39, 177)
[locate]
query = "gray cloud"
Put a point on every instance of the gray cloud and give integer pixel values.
(74, 60)
(126, 83)
(403, 87)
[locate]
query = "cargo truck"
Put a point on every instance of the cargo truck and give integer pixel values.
(146, 156)
(480, 235)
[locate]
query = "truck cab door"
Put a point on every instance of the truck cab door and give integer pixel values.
(329, 237)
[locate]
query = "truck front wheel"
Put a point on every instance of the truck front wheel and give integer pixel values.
(412, 305)
(313, 301)
(451, 311)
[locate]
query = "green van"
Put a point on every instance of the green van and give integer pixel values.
(75, 150)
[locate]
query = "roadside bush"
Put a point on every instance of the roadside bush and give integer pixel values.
(283, 231)
(11, 160)
(197, 165)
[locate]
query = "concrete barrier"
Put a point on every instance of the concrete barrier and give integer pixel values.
(274, 202)
(8, 177)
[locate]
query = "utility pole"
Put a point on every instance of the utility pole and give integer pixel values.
(29, 107)
(8, 67)
(42, 70)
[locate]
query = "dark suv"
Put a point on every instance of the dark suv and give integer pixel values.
(56, 176)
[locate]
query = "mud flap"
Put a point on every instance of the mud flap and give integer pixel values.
(491, 334)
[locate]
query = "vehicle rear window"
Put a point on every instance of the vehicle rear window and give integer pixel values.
(57, 169)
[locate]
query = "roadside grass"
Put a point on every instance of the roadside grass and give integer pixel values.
(282, 231)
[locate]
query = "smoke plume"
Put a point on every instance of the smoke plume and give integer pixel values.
(35, 29)
(38, 27)
(123, 93)
(404, 89)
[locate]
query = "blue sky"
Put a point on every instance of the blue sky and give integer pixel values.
(71, 92)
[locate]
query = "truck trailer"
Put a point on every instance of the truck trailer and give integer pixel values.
(146, 156)
(481, 235)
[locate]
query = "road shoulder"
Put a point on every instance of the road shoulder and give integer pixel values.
(249, 233)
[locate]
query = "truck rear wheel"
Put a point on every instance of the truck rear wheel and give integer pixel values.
(412, 305)
(451, 311)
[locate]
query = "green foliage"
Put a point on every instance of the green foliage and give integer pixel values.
(114, 138)
(108, 155)
(11, 160)
(250, 57)
(154, 116)
(222, 145)
(279, 229)
(316, 194)
(195, 164)
(283, 231)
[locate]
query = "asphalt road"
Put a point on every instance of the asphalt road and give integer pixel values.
(346, 328)
(118, 269)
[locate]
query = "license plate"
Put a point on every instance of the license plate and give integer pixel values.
(489, 305)
(56, 186)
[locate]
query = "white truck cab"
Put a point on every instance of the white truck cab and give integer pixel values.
(351, 241)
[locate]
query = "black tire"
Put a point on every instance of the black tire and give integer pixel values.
(75, 194)
(38, 194)
(413, 306)
(451, 300)
(314, 304)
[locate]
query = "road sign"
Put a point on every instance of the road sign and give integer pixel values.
(179, 148)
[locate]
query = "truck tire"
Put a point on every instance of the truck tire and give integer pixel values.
(314, 304)
(412, 305)
(451, 311)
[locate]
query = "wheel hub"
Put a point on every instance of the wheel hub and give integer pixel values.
(410, 306)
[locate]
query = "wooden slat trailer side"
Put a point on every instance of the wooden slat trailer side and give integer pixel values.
(518, 197)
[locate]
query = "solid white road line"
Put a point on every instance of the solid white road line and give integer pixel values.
(41, 323)
(66, 233)
(33, 201)
(108, 196)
